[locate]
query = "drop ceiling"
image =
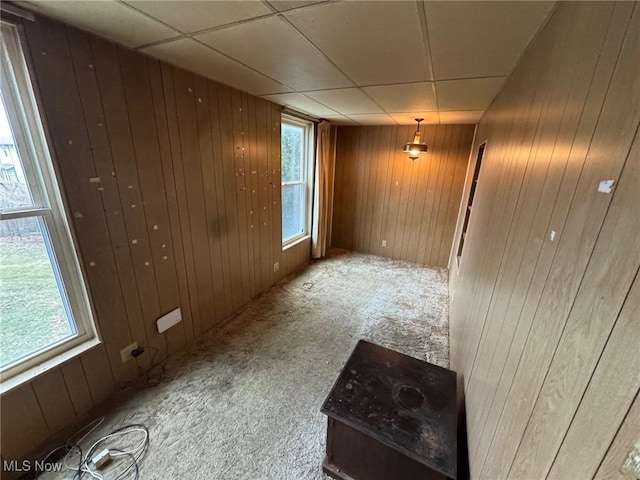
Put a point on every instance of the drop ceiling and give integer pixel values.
(351, 61)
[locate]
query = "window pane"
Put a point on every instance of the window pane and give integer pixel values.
(32, 312)
(14, 191)
(293, 208)
(292, 151)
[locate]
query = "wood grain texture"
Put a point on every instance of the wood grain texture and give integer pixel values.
(186, 212)
(54, 399)
(77, 386)
(381, 195)
(20, 436)
(581, 452)
(611, 141)
(602, 293)
(521, 279)
(535, 271)
(532, 317)
(622, 445)
(94, 119)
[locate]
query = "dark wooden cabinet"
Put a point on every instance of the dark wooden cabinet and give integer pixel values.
(391, 417)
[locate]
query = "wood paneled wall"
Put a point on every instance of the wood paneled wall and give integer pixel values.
(382, 195)
(545, 303)
(186, 212)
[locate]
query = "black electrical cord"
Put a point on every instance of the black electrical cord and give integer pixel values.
(148, 381)
(78, 473)
(134, 463)
(135, 458)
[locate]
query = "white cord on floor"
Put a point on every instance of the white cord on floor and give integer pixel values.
(133, 451)
(92, 426)
(83, 464)
(90, 472)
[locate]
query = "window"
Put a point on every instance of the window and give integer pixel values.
(45, 315)
(472, 193)
(297, 158)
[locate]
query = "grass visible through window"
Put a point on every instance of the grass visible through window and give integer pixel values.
(32, 315)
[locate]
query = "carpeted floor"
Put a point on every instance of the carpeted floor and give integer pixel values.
(244, 401)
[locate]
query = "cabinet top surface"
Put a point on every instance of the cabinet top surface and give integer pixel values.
(403, 402)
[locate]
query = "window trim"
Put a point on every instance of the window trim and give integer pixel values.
(49, 206)
(307, 174)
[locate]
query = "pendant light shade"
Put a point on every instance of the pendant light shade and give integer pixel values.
(415, 148)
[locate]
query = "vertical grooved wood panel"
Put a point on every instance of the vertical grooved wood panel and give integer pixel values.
(581, 452)
(536, 321)
(186, 211)
(152, 222)
(55, 77)
(167, 251)
(223, 222)
(207, 171)
(229, 182)
(54, 399)
(180, 231)
(74, 378)
(425, 241)
(193, 195)
(240, 192)
(382, 195)
(507, 303)
(98, 374)
(587, 328)
(85, 71)
(264, 210)
(622, 444)
(19, 437)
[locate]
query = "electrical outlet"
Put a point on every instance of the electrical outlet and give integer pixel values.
(384, 243)
(125, 353)
(276, 266)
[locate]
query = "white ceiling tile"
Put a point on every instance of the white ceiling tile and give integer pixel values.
(483, 38)
(274, 48)
(197, 58)
(469, 94)
(108, 19)
(339, 120)
(301, 103)
(345, 100)
(373, 42)
(192, 16)
(404, 97)
(282, 5)
(464, 116)
(404, 118)
(373, 119)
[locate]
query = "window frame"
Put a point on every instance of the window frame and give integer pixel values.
(307, 175)
(49, 207)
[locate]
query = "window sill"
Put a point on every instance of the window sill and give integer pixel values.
(30, 374)
(295, 241)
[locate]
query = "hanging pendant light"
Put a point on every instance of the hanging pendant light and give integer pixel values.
(415, 148)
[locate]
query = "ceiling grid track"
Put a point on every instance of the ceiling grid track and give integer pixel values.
(425, 38)
(351, 62)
